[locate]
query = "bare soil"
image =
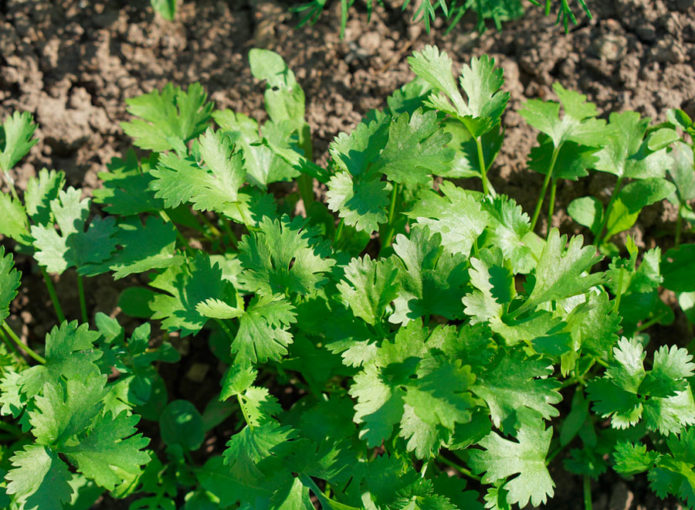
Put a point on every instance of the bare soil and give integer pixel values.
(72, 63)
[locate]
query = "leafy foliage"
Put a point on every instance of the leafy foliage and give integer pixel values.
(402, 328)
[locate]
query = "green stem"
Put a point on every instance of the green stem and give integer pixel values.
(679, 226)
(555, 453)
(225, 329)
(228, 230)
(539, 203)
(616, 306)
(339, 232)
(83, 302)
(9, 344)
(651, 322)
(481, 163)
(10, 184)
(306, 182)
(215, 231)
(54, 297)
(586, 484)
(392, 212)
(21, 345)
(551, 205)
(599, 238)
(163, 214)
(460, 469)
(12, 429)
(323, 499)
(306, 190)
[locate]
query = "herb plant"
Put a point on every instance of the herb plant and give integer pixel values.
(498, 11)
(388, 338)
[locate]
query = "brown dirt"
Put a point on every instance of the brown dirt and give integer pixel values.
(72, 63)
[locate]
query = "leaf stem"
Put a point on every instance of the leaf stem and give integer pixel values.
(392, 213)
(10, 184)
(228, 230)
(600, 236)
(52, 293)
(586, 485)
(179, 236)
(225, 329)
(481, 163)
(679, 226)
(339, 231)
(651, 322)
(22, 345)
(539, 203)
(460, 469)
(83, 302)
(323, 499)
(551, 205)
(12, 429)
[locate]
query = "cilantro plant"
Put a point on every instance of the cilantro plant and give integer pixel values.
(386, 338)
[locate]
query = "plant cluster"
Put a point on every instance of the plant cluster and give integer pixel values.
(389, 339)
(497, 11)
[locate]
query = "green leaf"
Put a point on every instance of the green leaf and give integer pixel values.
(142, 247)
(494, 288)
(513, 381)
(40, 192)
(481, 81)
(182, 425)
(682, 171)
(284, 98)
(639, 194)
(573, 160)
(502, 458)
(631, 459)
(76, 245)
(662, 396)
(110, 451)
(432, 405)
(65, 410)
(269, 154)
(509, 228)
(358, 152)
(283, 256)
(678, 268)
(165, 8)
(579, 123)
(16, 139)
(379, 406)
(264, 329)
(625, 152)
(368, 288)
(675, 473)
(186, 286)
(70, 354)
(587, 211)
(457, 216)
(360, 202)
(211, 188)
(10, 279)
(433, 281)
(38, 479)
(126, 188)
(14, 224)
(560, 271)
(416, 149)
(168, 119)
